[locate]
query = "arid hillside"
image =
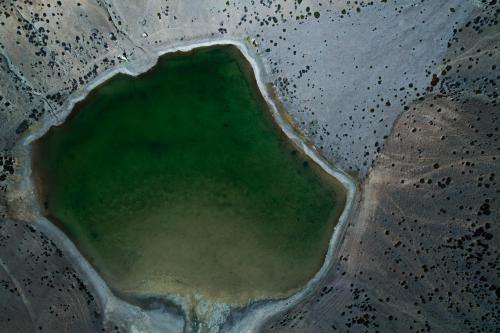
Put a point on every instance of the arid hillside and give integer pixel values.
(402, 95)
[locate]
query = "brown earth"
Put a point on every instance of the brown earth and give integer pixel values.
(421, 252)
(39, 289)
(419, 255)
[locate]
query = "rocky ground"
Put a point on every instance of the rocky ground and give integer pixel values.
(40, 292)
(420, 252)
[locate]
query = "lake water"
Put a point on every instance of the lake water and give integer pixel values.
(179, 181)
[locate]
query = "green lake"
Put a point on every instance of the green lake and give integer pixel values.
(179, 181)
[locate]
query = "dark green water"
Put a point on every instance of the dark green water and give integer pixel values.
(179, 181)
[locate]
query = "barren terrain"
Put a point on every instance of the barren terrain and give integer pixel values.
(402, 94)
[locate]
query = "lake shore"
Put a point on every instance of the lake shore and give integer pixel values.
(252, 319)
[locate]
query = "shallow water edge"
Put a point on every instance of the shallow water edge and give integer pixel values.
(251, 318)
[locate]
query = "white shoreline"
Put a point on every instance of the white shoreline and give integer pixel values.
(253, 320)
